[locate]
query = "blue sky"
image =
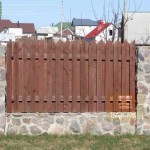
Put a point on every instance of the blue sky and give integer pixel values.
(46, 12)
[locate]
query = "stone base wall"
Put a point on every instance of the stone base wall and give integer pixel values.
(143, 90)
(71, 123)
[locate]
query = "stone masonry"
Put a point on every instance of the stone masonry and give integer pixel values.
(71, 123)
(2, 90)
(143, 90)
(78, 123)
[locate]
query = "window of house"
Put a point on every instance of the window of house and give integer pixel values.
(5, 30)
(110, 32)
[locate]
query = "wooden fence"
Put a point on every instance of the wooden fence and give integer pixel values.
(70, 77)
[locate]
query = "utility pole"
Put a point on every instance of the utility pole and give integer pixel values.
(124, 8)
(61, 17)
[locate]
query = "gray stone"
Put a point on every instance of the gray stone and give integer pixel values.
(117, 130)
(142, 88)
(146, 132)
(91, 126)
(45, 126)
(49, 120)
(35, 130)
(140, 56)
(23, 130)
(147, 78)
(128, 129)
(116, 121)
(11, 129)
(107, 126)
(140, 69)
(16, 121)
(147, 68)
(60, 120)
(2, 109)
(147, 119)
(2, 121)
(59, 129)
(75, 126)
(138, 131)
(2, 73)
(26, 120)
(82, 119)
(17, 115)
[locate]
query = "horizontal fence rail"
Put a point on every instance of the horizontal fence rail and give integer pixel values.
(70, 77)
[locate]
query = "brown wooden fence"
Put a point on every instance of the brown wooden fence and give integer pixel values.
(70, 77)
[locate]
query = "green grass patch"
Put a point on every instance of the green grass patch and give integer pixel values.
(74, 142)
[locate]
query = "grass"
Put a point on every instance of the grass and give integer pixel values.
(74, 142)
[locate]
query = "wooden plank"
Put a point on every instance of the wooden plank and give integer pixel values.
(58, 76)
(53, 78)
(36, 77)
(92, 48)
(117, 47)
(45, 100)
(132, 75)
(74, 72)
(125, 70)
(24, 77)
(100, 79)
(9, 77)
(82, 77)
(107, 76)
(16, 81)
(49, 75)
(41, 75)
(66, 76)
(32, 77)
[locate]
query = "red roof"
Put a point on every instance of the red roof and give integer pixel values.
(66, 32)
(5, 24)
(100, 27)
(27, 27)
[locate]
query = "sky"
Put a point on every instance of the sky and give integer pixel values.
(46, 12)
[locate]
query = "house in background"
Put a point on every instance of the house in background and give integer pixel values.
(13, 31)
(103, 31)
(46, 32)
(28, 29)
(67, 34)
(65, 25)
(81, 27)
(137, 27)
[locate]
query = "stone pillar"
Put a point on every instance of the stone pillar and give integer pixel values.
(143, 89)
(2, 90)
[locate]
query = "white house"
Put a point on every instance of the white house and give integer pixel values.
(137, 27)
(104, 32)
(82, 27)
(8, 34)
(46, 32)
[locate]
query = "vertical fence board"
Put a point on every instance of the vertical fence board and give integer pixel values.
(15, 78)
(92, 49)
(36, 85)
(107, 78)
(83, 77)
(9, 77)
(58, 76)
(49, 75)
(41, 75)
(74, 73)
